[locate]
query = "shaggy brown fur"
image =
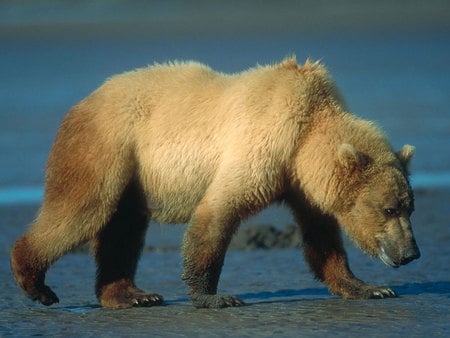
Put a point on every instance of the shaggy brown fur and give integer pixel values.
(182, 143)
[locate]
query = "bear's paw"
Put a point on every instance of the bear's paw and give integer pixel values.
(129, 300)
(215, 301)
(378, 292)
(123, 294)
(46, 296)
(365, 291)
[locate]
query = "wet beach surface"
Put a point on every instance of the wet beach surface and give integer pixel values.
(281, 295)
(398, 77)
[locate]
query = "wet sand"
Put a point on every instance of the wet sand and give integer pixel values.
(282, 297)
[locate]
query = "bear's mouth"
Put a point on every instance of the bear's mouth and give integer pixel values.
(394, 257)
(386, 259)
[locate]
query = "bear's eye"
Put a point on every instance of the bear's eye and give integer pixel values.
(391, 212)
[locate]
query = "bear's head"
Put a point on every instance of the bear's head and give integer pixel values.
(377, 217)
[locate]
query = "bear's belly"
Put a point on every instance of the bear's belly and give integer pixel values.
(172, 207)
(177, 163)
(174, 190)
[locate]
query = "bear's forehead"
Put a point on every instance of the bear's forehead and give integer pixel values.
(391, 184)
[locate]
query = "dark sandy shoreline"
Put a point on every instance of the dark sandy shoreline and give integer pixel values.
(283, 299)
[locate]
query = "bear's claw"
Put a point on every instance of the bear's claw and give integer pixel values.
(357, 290)
(138, 299)
(124, 294)
(381, 292)
(152, 299)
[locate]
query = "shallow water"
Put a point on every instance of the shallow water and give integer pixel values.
(401, 80)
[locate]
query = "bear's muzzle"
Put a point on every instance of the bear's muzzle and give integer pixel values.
(394, 255)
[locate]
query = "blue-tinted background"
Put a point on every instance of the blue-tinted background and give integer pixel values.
(391, 61)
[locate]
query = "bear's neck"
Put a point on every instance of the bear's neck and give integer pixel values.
(318, 173)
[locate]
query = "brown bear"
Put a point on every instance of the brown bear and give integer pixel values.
(181, 143)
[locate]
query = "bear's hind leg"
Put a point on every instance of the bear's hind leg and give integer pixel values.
(58, 229)
(29, 270)
(87, 172)
(324, 251)
(117, 250)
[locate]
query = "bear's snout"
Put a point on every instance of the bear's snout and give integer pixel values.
(410, 254)
(394, 255)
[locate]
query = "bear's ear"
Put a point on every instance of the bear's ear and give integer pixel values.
(405, 155)
(349, 157)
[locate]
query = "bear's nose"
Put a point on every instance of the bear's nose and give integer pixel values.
(410, 254)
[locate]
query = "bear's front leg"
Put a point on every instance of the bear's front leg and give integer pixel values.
(325, 254)
(205, 243)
